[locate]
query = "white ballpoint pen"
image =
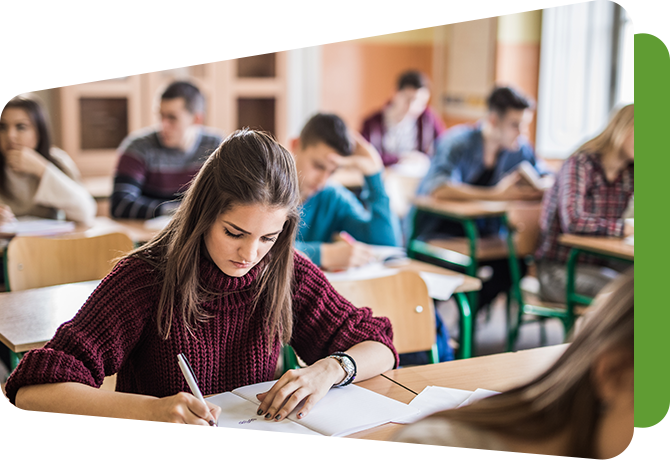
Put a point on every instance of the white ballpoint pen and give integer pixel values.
(185, 367)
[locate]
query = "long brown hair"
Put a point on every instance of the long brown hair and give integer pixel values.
(564, 397)
(614, 134)
(249, 167)
(38, 117)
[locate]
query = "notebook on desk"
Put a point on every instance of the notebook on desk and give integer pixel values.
(35, 226)
(341, 412)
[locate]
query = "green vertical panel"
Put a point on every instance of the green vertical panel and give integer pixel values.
(652, 313)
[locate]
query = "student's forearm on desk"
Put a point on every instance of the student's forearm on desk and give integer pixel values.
(77, 398)
(372, 358)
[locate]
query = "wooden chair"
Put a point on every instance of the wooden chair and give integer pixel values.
(403, 298)
(34, 262)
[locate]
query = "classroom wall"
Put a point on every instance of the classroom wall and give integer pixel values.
(359, 76)
(518, 54)
(25, 50)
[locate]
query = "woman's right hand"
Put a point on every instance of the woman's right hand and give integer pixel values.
(6, 214)
(27, 161)
(184, 408)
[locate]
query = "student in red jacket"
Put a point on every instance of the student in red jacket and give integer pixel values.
(405, 125)
(223, 285)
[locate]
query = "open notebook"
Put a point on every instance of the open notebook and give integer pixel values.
(341, 412)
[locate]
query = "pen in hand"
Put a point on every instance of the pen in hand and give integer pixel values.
(191, 380)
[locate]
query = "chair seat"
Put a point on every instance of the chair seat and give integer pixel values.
(489, 248)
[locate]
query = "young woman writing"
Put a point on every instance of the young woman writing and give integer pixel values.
(221, 284)
(37, 179)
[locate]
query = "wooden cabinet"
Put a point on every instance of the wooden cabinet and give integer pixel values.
(114, 56)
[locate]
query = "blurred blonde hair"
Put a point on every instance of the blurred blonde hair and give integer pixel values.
(614, 134)
(564, 397)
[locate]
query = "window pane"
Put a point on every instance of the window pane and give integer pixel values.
(183, 51)
(256, 113)
(267, 5)
(256, 53)
(104, 122)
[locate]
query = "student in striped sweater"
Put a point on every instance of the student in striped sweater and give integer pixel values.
(156, 164)
(223, 285)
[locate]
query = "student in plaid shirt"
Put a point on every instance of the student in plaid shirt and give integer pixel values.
(589, 197)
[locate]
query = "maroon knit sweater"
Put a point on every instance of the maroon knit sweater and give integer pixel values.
(115, 331)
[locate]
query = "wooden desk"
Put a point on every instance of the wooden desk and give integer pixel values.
(601, 245)
(71, 442)
(29, 319)
(614, 248)
(498, 372)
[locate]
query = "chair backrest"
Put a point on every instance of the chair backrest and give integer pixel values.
(403, 298)
(34, 262)
(524, 216)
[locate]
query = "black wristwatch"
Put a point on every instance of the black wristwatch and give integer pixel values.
(348, 365)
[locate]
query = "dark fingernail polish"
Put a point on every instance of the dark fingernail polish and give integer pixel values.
(259, 412)
(300, 415)
(267, 416)
(277, 417)
(212, 423)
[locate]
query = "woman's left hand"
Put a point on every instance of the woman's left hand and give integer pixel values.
(308, 384)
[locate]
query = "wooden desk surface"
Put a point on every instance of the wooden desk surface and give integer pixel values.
(494, 372)
(462, 209)
(470, 283)
(29, 319)
(71, 442)
(601, 244)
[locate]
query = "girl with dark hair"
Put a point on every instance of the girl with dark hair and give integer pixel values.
(223, 285)
(581, 407)
(37, 179)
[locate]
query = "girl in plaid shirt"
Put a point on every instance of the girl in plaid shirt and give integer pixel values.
(589, 197)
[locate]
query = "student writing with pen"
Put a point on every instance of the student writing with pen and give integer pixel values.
(328, 209)
(222, 285)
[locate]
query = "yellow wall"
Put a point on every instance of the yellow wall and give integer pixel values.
(374, 21)
(520, 27)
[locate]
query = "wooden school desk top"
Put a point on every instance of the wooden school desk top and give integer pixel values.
(71, 442)
(498, 372)
(601, 244)
(469, 209)
(495, 372)
(29, 319)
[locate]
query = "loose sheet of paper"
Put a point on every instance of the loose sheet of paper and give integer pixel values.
(343, 410)
(478, 394)
(434, 399)
(247, 436)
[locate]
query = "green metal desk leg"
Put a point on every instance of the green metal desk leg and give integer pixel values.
(466, 325)
(515, 291)
(570, 289)
(472, 235)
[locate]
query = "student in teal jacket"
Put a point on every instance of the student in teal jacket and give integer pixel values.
(328, 209)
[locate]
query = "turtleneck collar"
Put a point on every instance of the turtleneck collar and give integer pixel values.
(212, 277)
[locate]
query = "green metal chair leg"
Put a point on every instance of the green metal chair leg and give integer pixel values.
(14, 359)
(466, 326)
(290, 358)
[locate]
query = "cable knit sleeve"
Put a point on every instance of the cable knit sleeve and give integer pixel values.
(325, 322)
(99, 338)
